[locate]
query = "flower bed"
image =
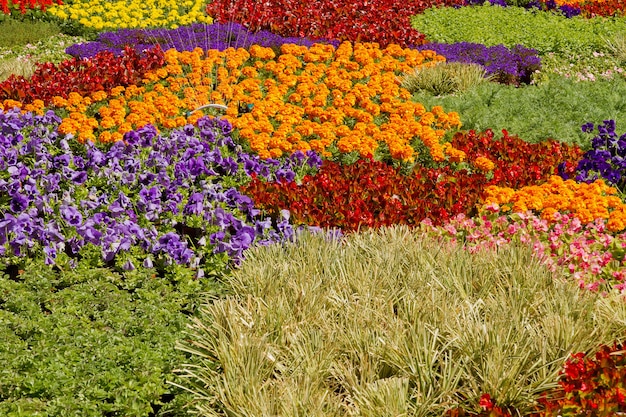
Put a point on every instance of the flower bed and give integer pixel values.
(149, 200)
(109, 163)
(332, 101)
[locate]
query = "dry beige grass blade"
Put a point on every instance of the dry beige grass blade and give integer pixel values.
(16, 67)
(388, 323)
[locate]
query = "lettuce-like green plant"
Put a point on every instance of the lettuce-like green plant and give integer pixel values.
(89, 342)
(493, 25)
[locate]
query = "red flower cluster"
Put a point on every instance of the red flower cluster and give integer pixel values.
(603, 8)
(369, 194)
(27, 4)
(382, 21)
(84, 76)
(518, 163)
(591, 385)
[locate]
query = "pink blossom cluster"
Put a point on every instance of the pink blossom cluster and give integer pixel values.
(585, 253)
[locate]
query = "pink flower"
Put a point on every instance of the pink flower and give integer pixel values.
(450, 229)
(493, 207)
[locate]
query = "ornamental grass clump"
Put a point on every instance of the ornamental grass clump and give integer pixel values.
(445, 78)
(16, 67)
(148, 200)
(617, 45)
(389, 322)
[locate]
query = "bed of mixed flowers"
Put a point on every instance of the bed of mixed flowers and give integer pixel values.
(114, 159)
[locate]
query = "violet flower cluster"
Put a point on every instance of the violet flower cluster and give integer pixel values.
(185, 38)
(606, 159)
(150, 199)
(507, 66)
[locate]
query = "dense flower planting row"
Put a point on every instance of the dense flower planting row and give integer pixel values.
(99, 14)
(23, 5)
(380, 21)
(329, 100)
(592, 8)
(187, 38)
(606, 159)
(510, 66)
(587, 201)
(373, 194)
(599, 169)
(589, 254)
(100, 73)
(150, 199)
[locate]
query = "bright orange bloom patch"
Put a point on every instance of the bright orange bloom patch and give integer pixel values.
(321, 98)
(588, 202)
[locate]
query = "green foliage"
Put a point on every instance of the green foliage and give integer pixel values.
(90, 342)
(21, 59)
(588, 67)
(493, 25)
(389, 322)
(445, 78)
(74, 28)
(21, 32)
(555, 109)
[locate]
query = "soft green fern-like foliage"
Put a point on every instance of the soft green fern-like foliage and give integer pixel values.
(554, 109)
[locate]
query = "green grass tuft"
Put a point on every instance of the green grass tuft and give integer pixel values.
(18, 33)
(17, 67)
(445, 78)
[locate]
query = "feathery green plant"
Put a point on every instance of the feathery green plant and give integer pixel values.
(16, 67)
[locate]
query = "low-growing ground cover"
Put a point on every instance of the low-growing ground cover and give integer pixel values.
(121, 204)
(25, 43)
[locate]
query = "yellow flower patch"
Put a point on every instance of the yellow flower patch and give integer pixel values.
(132, 14)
